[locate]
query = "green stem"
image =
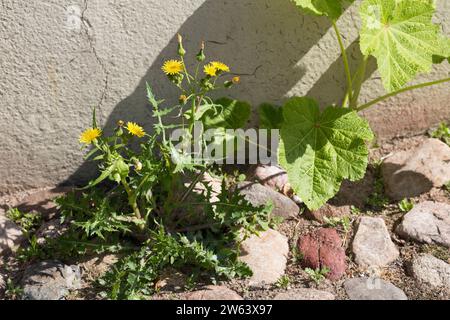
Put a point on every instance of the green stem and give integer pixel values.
(346, 64)
(358, 81)
(392, 94)
(132, 201)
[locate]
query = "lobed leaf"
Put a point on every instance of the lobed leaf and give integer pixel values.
(330, 8)
(402, 37)
(320, 150)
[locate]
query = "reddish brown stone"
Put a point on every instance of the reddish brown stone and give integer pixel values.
(323, 248)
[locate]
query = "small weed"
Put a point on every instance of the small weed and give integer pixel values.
(335, 222)
(27, 221)
(405, 205)
(318, 275)
(297, 256)
(442, 133)
(13, 292)
(283, 282)
(377, 199)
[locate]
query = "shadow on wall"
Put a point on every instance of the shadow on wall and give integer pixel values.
(262, 41)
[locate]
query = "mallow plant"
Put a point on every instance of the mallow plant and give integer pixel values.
(323, 145)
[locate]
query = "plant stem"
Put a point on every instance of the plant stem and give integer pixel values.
(358, 81)
(392, 94)
(345, 59)
(132, 201)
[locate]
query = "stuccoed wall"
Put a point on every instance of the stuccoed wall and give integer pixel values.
(60, 58)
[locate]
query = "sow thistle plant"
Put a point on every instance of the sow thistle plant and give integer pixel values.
(319, 149)
(153, 206)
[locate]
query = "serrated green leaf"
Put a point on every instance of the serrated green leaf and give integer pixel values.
(319, 150)
(402, 37)
(270, 116)
(330, 8)
(230, 114)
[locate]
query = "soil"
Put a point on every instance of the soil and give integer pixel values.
(396, 272)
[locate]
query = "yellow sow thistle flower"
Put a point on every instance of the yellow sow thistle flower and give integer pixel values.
(220, 66)
(172, 67)
(90, 135)
(135, 129)
(210, 70)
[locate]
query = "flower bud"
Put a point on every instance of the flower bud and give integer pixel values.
(182, 100)
(236, 80)
(181, 51)
(138, 165)
(201, 55)
(120, 123)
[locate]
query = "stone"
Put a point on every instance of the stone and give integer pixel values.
(98, 266)
(410, 173)
(42, 202)
(323, 248)
(372, 289)
(430, 270)
(266, 256)
(428, 222)
(50, 280)
(273, 177)
(259, 195)
(305, 294)
(213, 293)
(171, 280)
(372, 244)
(329, 211)
(11, 235)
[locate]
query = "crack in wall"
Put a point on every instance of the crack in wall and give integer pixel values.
(86, 26)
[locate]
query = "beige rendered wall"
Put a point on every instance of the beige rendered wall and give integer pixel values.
(58, 58)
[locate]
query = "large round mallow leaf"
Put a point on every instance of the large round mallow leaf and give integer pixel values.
(321, 149)
(401, 36)
(330, 8)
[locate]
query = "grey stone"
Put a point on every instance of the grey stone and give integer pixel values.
(304, 294)
(213, 293)
(428, 222)
(50, 280)
(259, 195)
(413, 172)
(10, 235)
(266, 256)
(372, 245)
(372, 289)
(433, 271)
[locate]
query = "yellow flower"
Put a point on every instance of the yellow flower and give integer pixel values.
(135, 129)
(236, 80)
(172, 67)
(210, 70)
(90, 135)
(220, 66)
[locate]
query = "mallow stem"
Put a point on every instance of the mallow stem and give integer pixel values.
(392, 94)
(346, 64)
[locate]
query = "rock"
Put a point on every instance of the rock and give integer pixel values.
(171, 280)
(42, 201)
(266, 256)
(259, 195)
(372, 289)
(10, 235)
(50, 280)
(329, 211)
(410, 173)
(323, 248)
(273, 177)
(433, 271)
(98, 266)
(428, 222)
(2, 286)
(372, 244)
(304, 294)
(213, 293)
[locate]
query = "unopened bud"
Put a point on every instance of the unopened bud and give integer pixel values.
(201, 55)
(120, 123)
(236, 80)
(182, 99)
(181, 51)
(138, 166)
